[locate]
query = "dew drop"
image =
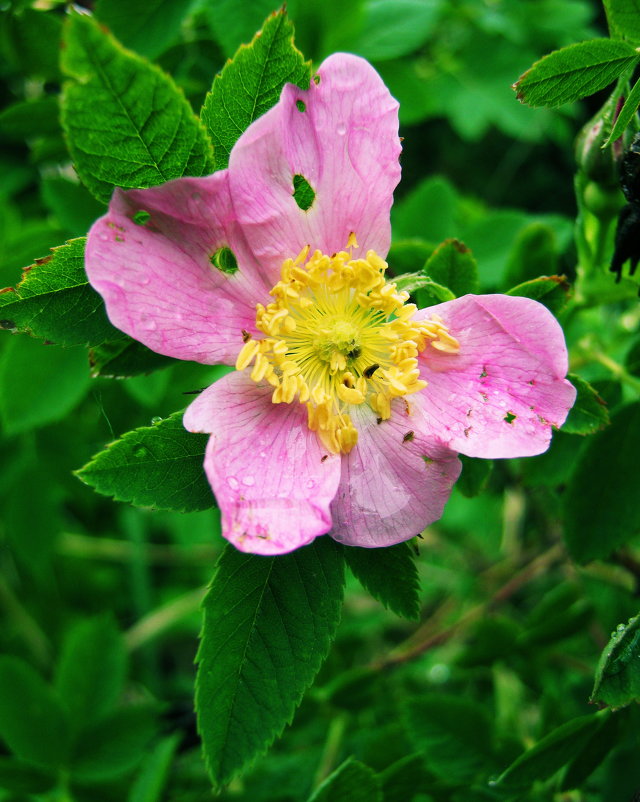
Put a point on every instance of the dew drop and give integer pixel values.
(249, 481)
(140, 451)
(156, 420)
(311, 483)
(148, 324)
(262, 454)
(103, 236)
(233, 482)
(341, 130)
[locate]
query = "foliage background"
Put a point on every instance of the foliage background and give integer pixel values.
(100, 601)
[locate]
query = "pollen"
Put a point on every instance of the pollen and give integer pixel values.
(338, 335)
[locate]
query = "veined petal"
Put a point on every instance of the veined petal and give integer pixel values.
(156, 275)
(272, 479)
(341, 135)
(503, 392)
(394, 483)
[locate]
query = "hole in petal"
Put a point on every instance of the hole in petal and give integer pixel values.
(300, 105)
(303, 194)
(408, 437)
(141, 217)
(225, 260)
(316, 79)
(510, 417)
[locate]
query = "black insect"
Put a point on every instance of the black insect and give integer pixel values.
(354, 353)
(627, 241)
(368, 372)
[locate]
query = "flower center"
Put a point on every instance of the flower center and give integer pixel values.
(338, 335)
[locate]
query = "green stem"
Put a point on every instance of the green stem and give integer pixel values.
(332, 746)
(616, 369)
(23, 622)
(159, 621)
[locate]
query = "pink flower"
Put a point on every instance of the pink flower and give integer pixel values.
(348, 406)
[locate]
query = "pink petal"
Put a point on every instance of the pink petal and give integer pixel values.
(157, 278)
(345, 143)
(505, 390)
(394, 483)
(267, 470)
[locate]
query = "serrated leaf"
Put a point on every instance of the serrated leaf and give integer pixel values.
(624, 18)
(125, 357)
(575, 72)
(351, 782)
(589, 414)
(551, 753)
(251, 84)
(55, 301)
(91, 670)
(552, 291)
(149, 27)
(627, 113)
(453, 733)
(127, 124)
(113, 746)
(617, 680)
(33, 723)
(268, 624)
(600, 505)
(452, 265)
(390, 575)
(475, 475)
(156, 466)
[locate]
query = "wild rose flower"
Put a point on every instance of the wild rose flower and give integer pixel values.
(348, 406)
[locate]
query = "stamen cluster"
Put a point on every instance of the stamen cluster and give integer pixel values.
(337, 334)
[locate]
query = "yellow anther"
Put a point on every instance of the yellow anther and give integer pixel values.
(337, 335)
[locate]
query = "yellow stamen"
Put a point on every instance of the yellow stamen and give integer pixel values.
(338, 335)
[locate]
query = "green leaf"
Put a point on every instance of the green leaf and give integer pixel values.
(602, 494)
(624, 18)
(475, 475)
(33, 723)
(534, 253)
(452, 265)
(552, 291)
(592, 754)
(393, 28)
(268, 625)
(415, 282)
(152, 778)
(589, 414)
(156, 466)
(23, 43)
(24, 778)
(125, 357)
(350, 782)
(617, 681)
(251, 84)
(390, 575)
(28, 119)
(627, 113)
(429, 211)
(575, 72)
(113, 746)
(73, 205)
(55, 301)
(126, 122)
(551, 753)
(149, 27)
(91, 670)
(39, 384)
(453, 733)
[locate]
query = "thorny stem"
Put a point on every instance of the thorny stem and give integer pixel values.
(425, 638)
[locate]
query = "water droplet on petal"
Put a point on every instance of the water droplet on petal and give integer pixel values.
(249, 481)
(233, 482)
(262, 454)
(311, 483)
(103, 236)
(341, 130)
